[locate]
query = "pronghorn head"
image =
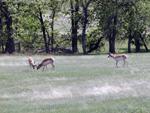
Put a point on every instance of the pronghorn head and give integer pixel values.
(32, 62)
(34, 66)
(38, 66)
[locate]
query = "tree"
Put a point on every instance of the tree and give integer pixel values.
(85, 5)
(135, 17)
(107, 14)
(54, 6)
(74, 6)
(92, 23)
(42, 8)
(9, 46)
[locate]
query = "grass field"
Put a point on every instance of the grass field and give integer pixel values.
(79, 84)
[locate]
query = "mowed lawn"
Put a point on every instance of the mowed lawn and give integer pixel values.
(79, 84)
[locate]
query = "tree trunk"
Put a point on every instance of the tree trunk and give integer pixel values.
(113, 41)
(137, 42)
(85, 21)
(19, 47)
(0, 25)
(84, 24)
(112, 44)
(52, 29)
(129, 41)
(113, 34)
(10, 46)
(144, 43)
(44, 32)
(0, 29)
(74, 25)
(3, 48)
(49, 38)
(129, 44)
(137, 45)
(112, 26)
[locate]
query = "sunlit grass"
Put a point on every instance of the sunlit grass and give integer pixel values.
(79, 84)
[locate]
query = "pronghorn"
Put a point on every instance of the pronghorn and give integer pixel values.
(31, 62)
(45, 62)
(118, 57)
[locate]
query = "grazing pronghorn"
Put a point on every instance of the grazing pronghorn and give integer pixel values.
(118, 57)
(45, 62)
(31, 62)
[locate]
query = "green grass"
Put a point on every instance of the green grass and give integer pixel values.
(79, 84)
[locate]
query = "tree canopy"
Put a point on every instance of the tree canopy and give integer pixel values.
(74, 26)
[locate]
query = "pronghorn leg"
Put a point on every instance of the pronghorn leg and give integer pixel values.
(53, 65)
(117, 64)
(43, 68)
(124, 62)
(33, 67)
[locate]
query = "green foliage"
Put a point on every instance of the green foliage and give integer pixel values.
(92, 38)
(132, 15)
